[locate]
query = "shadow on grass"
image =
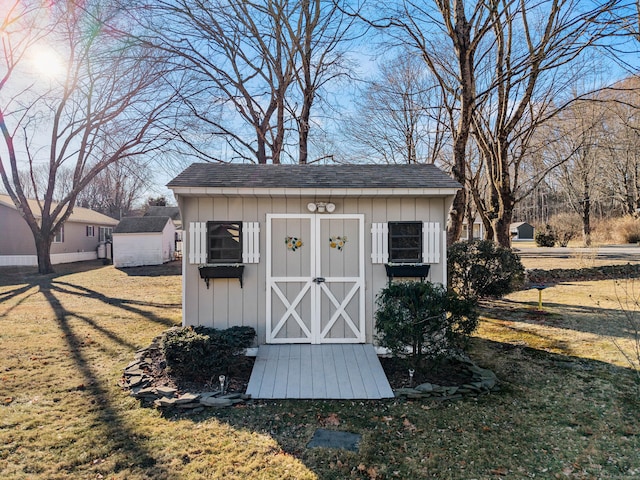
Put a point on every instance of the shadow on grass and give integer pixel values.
(20, 275)
(125, 304)
(164, 270)
(118, 431)
(597, 320)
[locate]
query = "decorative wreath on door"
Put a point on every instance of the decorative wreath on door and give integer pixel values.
(293, 243)
(337, 242)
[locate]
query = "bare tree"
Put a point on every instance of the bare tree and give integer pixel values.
(400, 114)
(534, 47)
(256, 70)
(116, 190)
(105, 104)
(579, 138)
(449, 35)
(317, 34)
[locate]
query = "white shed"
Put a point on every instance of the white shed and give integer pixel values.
(141, 241)
(300, 252)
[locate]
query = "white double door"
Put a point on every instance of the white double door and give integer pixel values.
(315, 278)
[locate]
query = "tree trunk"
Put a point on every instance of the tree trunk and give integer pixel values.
(456, 217)
(43, 249)
(586, 215)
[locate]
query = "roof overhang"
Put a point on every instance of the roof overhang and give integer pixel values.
(311, 192)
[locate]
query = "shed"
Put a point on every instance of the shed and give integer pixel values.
(521, 231)
(141, 241)
(300, 252)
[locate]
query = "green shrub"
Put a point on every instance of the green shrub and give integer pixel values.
(545, 237)
(483, 269)
(201, 352)
(422, 319)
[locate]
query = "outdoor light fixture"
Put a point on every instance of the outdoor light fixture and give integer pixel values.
(321, 207)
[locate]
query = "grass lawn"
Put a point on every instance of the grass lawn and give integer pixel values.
(569, 407)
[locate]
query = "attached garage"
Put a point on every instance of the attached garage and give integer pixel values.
(139, 241)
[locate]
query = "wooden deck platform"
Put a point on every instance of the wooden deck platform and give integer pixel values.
(328, 371)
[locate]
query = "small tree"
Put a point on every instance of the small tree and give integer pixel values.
(422, 319)
(483, 269)
(566, 227)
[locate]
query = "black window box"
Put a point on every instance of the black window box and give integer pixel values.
(416, 270)
(221, 271)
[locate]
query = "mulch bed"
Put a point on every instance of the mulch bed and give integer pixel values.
(446, 372)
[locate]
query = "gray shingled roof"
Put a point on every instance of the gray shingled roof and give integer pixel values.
(159, 211)
(141, 225)
(313, 176)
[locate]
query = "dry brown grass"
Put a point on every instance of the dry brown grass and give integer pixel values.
(568, 409)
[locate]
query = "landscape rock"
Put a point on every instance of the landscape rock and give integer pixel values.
(137, 379)
(483, 382)
(216, 402)
(425, 387)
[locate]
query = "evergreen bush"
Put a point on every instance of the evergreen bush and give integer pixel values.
(201, 352)
(423, 320)
(545, 237)
(483, 268)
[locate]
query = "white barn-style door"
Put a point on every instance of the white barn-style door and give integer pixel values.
(315, 278)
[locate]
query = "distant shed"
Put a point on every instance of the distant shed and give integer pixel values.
(141, 241)
(521, 231)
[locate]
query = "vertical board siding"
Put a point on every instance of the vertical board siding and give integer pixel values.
(431, 242)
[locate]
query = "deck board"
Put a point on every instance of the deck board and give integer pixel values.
(331, 371)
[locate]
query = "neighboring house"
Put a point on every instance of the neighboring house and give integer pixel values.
(143, 241)
(300, 252)
(77, 241)
(521, 231)
(174, 213)
(478, 230)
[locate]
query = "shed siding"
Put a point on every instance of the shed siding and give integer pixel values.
(225, 304)
(137, 249)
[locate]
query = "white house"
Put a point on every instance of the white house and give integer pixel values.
(143, 241)
(300, 252)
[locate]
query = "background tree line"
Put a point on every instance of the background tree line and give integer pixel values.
(484, 89)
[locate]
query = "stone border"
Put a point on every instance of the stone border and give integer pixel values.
(483, 382)
(137, 379)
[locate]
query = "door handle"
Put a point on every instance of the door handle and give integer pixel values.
(319, 280)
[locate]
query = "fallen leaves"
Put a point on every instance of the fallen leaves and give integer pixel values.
(331, 420)
(408, 425)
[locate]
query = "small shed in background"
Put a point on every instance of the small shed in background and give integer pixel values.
(521, 231)
(139, 241)
(174, 213)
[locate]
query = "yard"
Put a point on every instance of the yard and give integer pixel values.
(569, 405)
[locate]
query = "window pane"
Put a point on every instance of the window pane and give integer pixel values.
(405, 242)
(224, 242)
